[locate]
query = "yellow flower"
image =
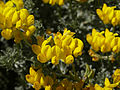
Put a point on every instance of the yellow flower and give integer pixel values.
(35, 78)
(69, 59)
(7, 34)
(23, 15)
(30, 20)
(116, 76)
(106, 14)
(116, 19)
(110, 86)
(45, 55)
(36, 85)
(30, 78)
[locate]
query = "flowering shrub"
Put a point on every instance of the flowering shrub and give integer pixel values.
(59, 45)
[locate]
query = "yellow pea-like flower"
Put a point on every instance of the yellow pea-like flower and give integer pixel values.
(106, 14)
(36, 49)
(69, 59)
(30, 30)
(58, 41)
(36, 85)
(114, 42)
(30, 77)
(89, 38)
(15, 17)
(30, 20)
(79, 43)
(114, 21)
(24, 14)
(45, 55)
(56, 51)
(66, 41)
(77, 51)
(55, 60)
(115, 49)
(7, 34)
(72, 44)
(109, 85)
(42, 58)
(68, 32)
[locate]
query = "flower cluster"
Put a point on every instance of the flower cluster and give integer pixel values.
(62, 47)
(53, 2)
(105, 43)
(15, 21)
(38, 79)
(108, 15)
(108, 85)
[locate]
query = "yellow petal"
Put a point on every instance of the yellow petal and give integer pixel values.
(15, 17)
(24, 14)
(7, 34)
(30, 20)
(77, 51)
(42, 82)
(36, 85)
(54, 60)
(100, 14)
(36, 49)
(19, 24)
(32, 71)
(69, 59)
(30, 78)
(42, 58)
